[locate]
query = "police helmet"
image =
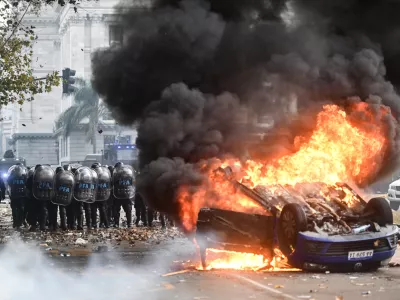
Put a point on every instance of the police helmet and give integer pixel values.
(67, 167)
(118, 164)
(96, 165)
(38, 166)
(59, 169)
(111, 169)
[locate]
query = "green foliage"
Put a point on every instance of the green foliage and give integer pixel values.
(86, 105)
(17, 83)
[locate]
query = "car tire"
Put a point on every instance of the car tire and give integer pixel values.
(382, 212)
(292, 220)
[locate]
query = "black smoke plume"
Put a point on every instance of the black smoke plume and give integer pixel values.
(187, 68)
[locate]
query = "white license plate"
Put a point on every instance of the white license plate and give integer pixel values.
(354, 255)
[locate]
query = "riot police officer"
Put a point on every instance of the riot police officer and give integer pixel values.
(30, 204)
(74, 212)
(140, 210)
(54, 207)
(110, 201)
(102, 195)
(84, 194)
(16, 181)
(42, 191)
(123, 191)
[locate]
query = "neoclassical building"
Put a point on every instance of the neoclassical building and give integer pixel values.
(65, 39)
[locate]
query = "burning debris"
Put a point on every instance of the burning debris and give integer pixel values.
(344, 147)
(329, 209)
(324, 215)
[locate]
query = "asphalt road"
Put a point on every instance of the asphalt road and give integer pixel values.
(148, 273)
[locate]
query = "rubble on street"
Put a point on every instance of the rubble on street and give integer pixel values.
(89, 239)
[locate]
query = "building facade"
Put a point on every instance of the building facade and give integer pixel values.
(66, 39)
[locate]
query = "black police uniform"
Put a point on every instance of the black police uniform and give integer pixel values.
(140, 210)
(39, 211)
(54, 209)
(31, 203)
(15, 182)
(74, 212)
(126, 205)
(110, 201)
(101, 206)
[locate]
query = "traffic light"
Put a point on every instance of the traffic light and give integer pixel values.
(68, 81)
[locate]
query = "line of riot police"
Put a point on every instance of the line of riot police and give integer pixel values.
(38, 195)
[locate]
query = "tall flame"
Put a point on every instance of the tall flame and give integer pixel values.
(337, 151)
(341, 148)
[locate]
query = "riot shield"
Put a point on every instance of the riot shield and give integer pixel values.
(29, 183)
(16, 181)
(123, 182)
(95, 180)
(63, 188)
(103, 184)
(85, 185)
(43, 183)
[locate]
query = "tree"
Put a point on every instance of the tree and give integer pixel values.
(17, 83)
(86, 105)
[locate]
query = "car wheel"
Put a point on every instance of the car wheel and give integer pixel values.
(291, 221)
(382, 213)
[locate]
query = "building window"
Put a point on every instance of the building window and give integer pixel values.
(116, 35)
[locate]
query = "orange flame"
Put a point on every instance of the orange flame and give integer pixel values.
(341, 148)
(337, 151)
(225, 259)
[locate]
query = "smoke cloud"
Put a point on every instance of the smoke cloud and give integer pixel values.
(187, 69)
(27, 274)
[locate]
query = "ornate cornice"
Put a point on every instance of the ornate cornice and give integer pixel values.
(39, 20)
(80, 19)
(20, 136)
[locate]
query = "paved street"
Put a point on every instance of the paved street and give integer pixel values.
(161, 269)
(157, 272)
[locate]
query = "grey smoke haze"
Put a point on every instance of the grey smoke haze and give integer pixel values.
(187, 67)
(27, 274)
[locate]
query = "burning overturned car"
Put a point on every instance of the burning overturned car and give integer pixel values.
(316, 226)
